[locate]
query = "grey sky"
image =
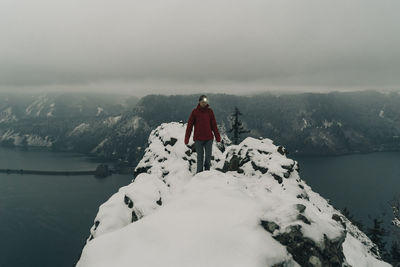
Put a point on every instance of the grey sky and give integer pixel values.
(184, 46)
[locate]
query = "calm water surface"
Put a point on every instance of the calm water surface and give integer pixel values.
(364, 183)
(45, 220)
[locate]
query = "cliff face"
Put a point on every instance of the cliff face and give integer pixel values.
(250, 209)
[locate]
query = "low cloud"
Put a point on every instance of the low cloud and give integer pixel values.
(183, 46)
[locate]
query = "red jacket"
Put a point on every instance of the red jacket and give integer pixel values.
(204, 123)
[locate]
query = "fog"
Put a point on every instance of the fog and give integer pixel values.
(186, 46)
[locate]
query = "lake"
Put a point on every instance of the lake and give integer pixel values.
(45, 220)
(364, 183)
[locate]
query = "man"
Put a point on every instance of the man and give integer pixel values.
(203, 119)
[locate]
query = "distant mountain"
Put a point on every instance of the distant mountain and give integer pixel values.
(116, 127)
(15, 107)
(68, 121)
(311, 124)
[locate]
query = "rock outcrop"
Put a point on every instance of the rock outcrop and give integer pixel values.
(251, 209)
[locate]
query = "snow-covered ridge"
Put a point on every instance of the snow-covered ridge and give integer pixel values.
(250, 209)
(80, 129)
(18, 139)
(111, 121)
(37, 106)
(7, 115)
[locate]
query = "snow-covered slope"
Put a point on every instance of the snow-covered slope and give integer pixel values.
(250, 209)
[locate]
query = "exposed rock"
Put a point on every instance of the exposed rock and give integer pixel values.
(141, 170)
(128, 201)
(303, 218)
(303, 196)
(162, 159)
(96, 224)
(171, 142)
(307, 253)
(134, 217)
(282, 150)
(300, 207)
(297, 225)
(188, 152)
(258, 168)
(339, 219)
(289, 168)
(269, 226)
(314, 261)
(277, 177)
(232, 165)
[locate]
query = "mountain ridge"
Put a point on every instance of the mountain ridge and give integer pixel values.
(308, 123)
(252, 203)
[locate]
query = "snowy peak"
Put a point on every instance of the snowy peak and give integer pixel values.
(250, 209)
(167, 155)
(254, 157)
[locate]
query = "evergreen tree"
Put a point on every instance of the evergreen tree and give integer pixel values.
(237, 126)
(376, 233)
(351, 218)
(395, 205)
(395, 248)
(395, 253)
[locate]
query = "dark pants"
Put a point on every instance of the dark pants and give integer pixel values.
(202, 146)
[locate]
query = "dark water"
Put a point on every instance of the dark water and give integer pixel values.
(364, 183)
(45, 220)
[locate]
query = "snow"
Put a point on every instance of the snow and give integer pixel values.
(7, 115)
(357, 255)
(111, 121)
(34, 140)
(327, 124)
(99, 146)
(80, 129)
(223, 223)
(26, 139)
(305, 124)
(37, 105)
(99, 111)
(396, 222)
(52, 108)
(133, 123)
(213, 218)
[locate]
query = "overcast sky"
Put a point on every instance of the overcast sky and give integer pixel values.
(186, 46)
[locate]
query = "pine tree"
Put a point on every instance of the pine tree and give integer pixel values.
(376, 234)
(237, 126)
(395, 205)
(351, 218)
(395, 253)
